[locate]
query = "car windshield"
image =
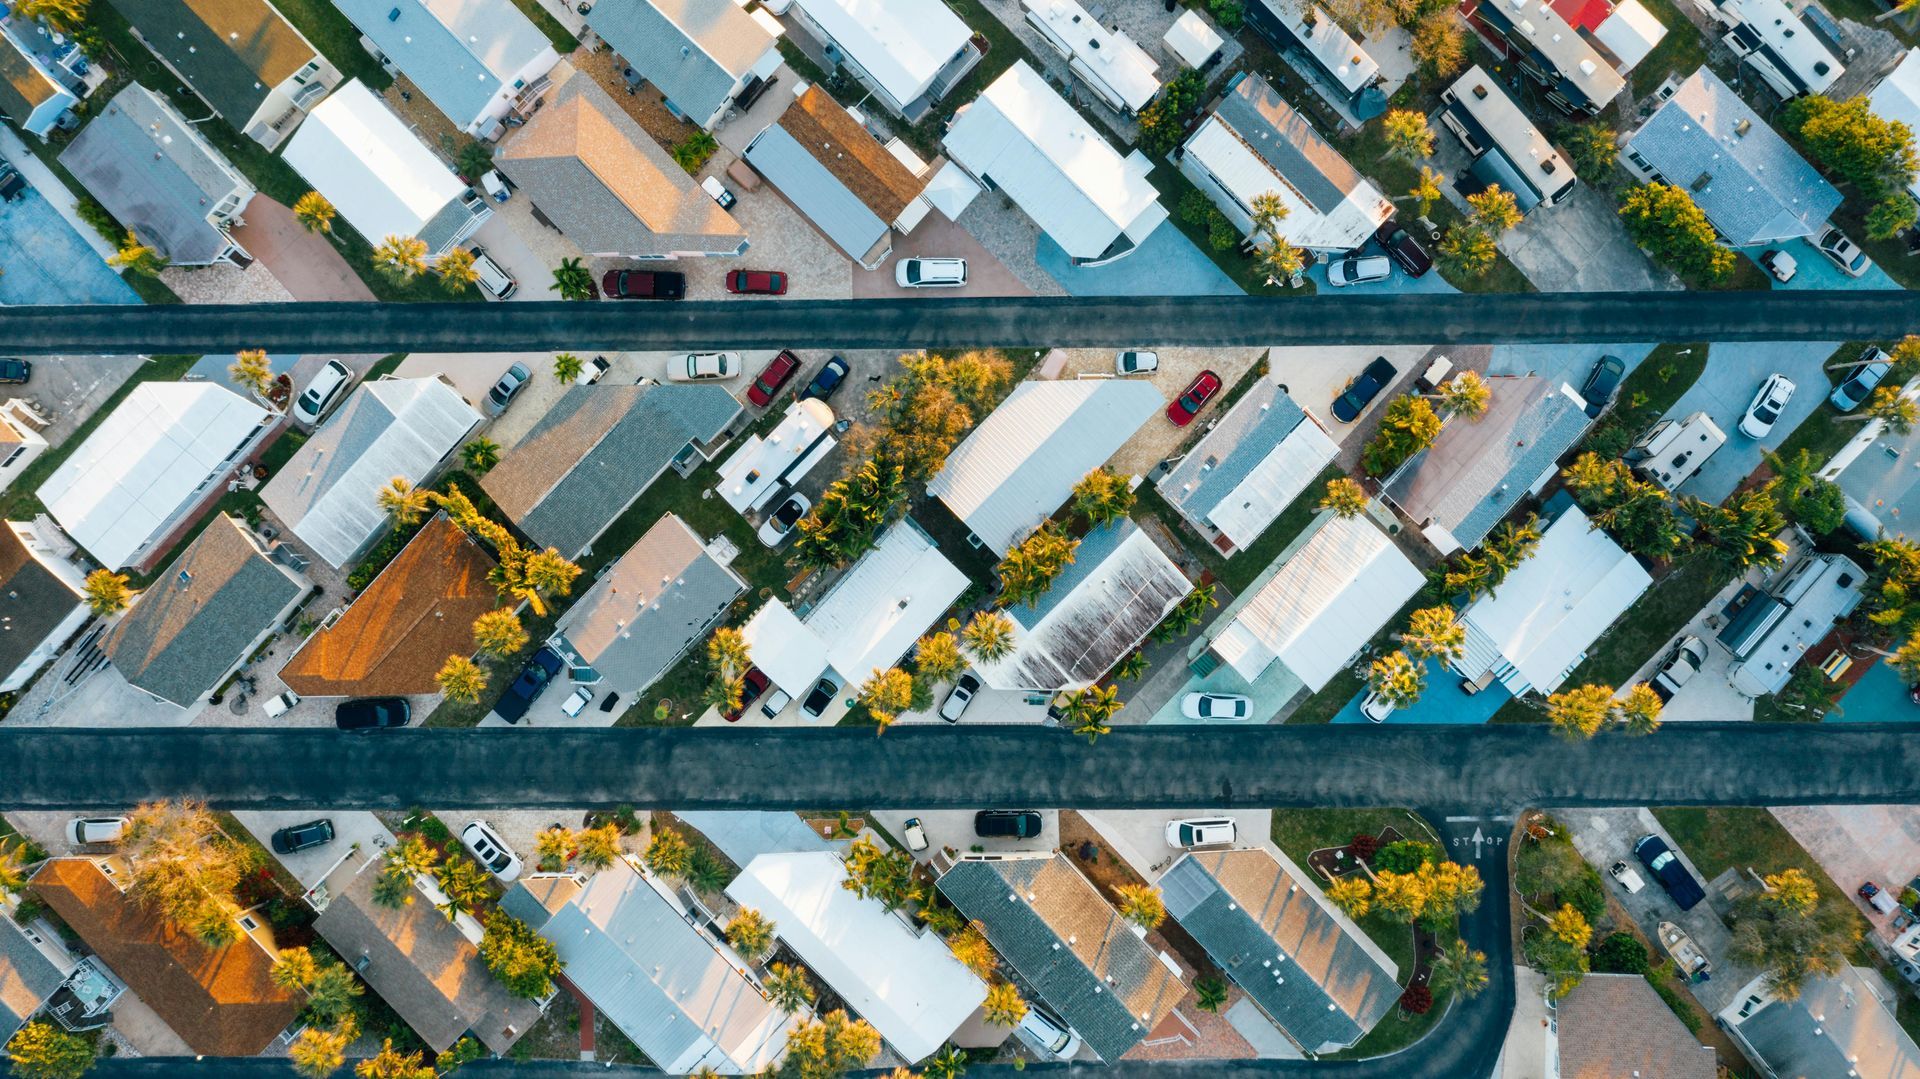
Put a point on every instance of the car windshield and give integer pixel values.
(501, 391)
(1766, 413)
(913, 272)
(1660, 860)
(1191, 401)
(789, 512)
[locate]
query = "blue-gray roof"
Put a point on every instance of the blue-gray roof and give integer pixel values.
(458, 52)
(1094, 549)
(694, 51)
(1285, 140)
(1271, 934)
(1740, 172)
(818, 193)
(27, 978)
(155, 174)
(1244, 437)
(1854, 1032)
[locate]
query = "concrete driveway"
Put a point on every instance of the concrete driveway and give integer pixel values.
(1709, 695)
(1313, 377)
(351, 828)
(1732, 376)
(954, 828)
(304, 264)
(939, 237)
(1569, 364)
(1140, 835)
(1856, 844)
(1579, 246)
(71, 388)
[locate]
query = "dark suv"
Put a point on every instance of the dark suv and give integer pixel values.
(298, 837)
(533, 678)
(1602, 384)
(822, 695)
(1362, 390)
(1667, 868)
(643, 285)
(370, 713)
(1006, 823)
(1404, 249)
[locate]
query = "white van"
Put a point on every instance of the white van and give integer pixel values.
(494, 282)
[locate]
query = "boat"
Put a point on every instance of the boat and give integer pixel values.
(1688, 960)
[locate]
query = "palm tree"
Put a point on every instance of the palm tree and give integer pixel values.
(294, 968)
(136, 257)
(1581, 711)
(566, 368)
(464, 882)
(1407, 134)
(1280, 261)
(1467, 394)
(252, 371)
(551, 848)
(949, 1063)
(401, 258)
(404, 502)
(1089, 710)
(1640, 709)
(1426, 190)
(390, 1063)
(63, 14)
(314, 212)
(989, 636)
(937, 657)
(1141, 905)
(1345, 497)
(480, 455)
(317, 1052)
(1268, 212)
(1458, 968)
(1132, 667)
(788, 989)
(330, 994)
(1211, 991)
(1435, 633)
(455, 269)
(1003, 1006)
(572, 281)
(1892, 407)
(668, 853)
(1494, 210)
(1396, 679)
(499, 633)
(461, 680)
(751, 933)
(107, 592)
(885, 694)
(13, 872)
(598, 847)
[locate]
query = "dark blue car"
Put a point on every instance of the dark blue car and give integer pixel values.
(827, 381)
(1362, 390)
(533, 678)
(1672, 874)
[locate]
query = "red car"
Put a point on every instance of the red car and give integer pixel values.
(778, 374)
(756, 683)
(1198, 393)
(757, 282)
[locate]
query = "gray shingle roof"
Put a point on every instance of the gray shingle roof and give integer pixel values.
(595, 451)
(1285, 140)
(458, 52)
(1740, 172)
(827, 202)
(1051, 925)
(1243, 438)
(1856, 1032)
(693, 50)
(649, 607)
(1271, 934)
(201, 614)
(27, 978)
(154, 173)
(233, 53)
(33, 602)
(1617, 1025)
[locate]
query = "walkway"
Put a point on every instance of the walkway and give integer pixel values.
(305, 264)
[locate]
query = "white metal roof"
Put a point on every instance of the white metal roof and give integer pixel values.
(1557, 603)
(1577, 60)
(1191, 40)
(1025, 138)
(951, 190)
(1630, 33)
(907, 983)
(1022, 461)
(1274, 483)
(165, 444)
(895, 593)
(1225, 155)
(1329, 598)
(1114, 67)
(378, 174)
(786, 651)
(761, 466)
(328, 493)
(902, 44)
(1897, 97)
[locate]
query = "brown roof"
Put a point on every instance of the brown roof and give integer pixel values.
(221, 1001)
(1615, 1025)
(576, 424)
(847, 150)
(22, 86)
(423, 967)
(395, 635)
(1096, 933)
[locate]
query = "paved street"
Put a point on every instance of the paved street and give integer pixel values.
(1052, 321)
(923, 767)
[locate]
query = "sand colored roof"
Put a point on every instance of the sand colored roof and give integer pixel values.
(221, 1001)
(823, 127)
(232, 52)
(395, 635)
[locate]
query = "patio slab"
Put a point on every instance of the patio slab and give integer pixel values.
(1167, 264)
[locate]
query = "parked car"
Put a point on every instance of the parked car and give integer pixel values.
(820, 697)
(84, 831)
(327, 388)
(1861, 380)
(1363, 388)
(958, 698)
(1780, 264)
(1006, 823)
(778, 527)
(372, 713)
(702, 366)
(1376, 708)
(1681, 665)
(1359, 270)
(719, 192)
(1136, 363)
(752, 684)
(1767, 405)
(1226, 706)
(775, 703)
(1843, 252)
(14, 370)
(1404, 249)
(915, 834)
(280, 704)
(298, 837)
(490, 850)
(495, 283)
(533, 678)
(757, 282)
(1666, 867)
(1048, 1037)
(930, 273)
(1602, 383)
(12, 184)
(507, 388)
(1194, 398)
(1625, 874)
(576, 701)
(1878, 898)
(643, 285)
(825, 381)
(779, 371)
(1201, 832)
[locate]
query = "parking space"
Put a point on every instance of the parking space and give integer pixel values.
(1011, 236)
(1166, 264)
(517, 828)
(1568, 364)
(304, 264)
(1708, 695)
(351, 828)
(69, 389)
(48, 827)
(1857, 844)
(1815, 271)
(1140, 835)
(550, 707)
(953, 829)
(1397, 281)
(1725, 389)
(44, 261)
(1580, 246)
(939, 237)
(473, 374)
(81, 689)
(1313, 377)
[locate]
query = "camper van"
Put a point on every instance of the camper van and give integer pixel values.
(1675, 450)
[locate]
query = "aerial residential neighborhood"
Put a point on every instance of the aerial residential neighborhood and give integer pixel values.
(921, 538)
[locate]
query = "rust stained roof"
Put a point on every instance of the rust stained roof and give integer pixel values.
(395, 635)
(855, 158)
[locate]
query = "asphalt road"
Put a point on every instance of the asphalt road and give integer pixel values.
(1471, 769)
(1054, 321)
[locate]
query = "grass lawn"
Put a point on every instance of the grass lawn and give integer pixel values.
(1667, 373)
(1681, 52)
(337, 39)
(1823, 433)
(1247, 564)
(1743, 838)
(1173, 187)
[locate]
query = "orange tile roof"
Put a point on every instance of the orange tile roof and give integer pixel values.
(395, 635)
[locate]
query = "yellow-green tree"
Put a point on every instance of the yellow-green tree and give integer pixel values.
(1640, 709)
(1003, 1006)
(252, 370)
(1141, 905)
(1406, 134)
(1665, 220)
(40, 1050)
(970, 946)
(401, 257)
(1344, 496)
(1102, 496)
(314, 212)
(1466, 394)
(461, 680)
(1494, 209)
(404, 502)
(1435, 633)
(598, 847)
(135, 256)
(499, 633)
(988, 636)
(937, 657)
(668, 853)
(391, 1063)
(455, 269)
(107, 592)
(1580, 712)
(1028, 571)
(788, 989)
(1570, 927)
(886, 694)
(1396, 679)
(1352, 893)
(751, 933)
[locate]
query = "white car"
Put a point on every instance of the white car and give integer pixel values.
(701, 366)
(778, 527)
(495, 283)
(282, 704)
(1359, 270)
(1767, 405)
(324, 390)
(1201, 832)
(1226, 706)
(930, 273)
(1050, 1039)
(83, 831)
(915, 834)
(1136, 363)
(490, 850)
(1843, 252)
(1376, 708)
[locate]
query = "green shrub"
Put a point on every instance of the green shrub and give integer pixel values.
(1620, 953)
(1586, 895)
(1221, 235)
(1195, 208)
(692, 152)
(1228, 13)
(1405, 856)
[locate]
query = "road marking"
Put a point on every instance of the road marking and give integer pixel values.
(1480, 840)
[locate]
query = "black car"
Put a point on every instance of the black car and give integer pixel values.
(821, 696)
(533, 678)
(1362, 390)
(12, 184)
(299, 837)
(1667, 868)
(1602, 384)
(369, 713)
(827, 381)
(1403, 249)
(1006, 823)
(12, 370)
